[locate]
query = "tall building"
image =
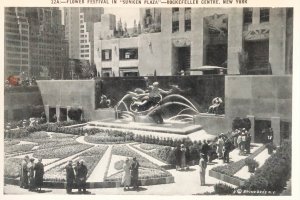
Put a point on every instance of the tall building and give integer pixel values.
(80, 31)
(34, 42)
(16, 42)
(48, 47)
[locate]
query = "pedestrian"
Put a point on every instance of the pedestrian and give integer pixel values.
(248, 142)
(187, 157)
(227, 148)
(126, 178)
(183, 158)
(202, 165)
(31, 182)
(236, 133)
(82, 173)
(70, 176)
(177, 157)
(205, 149)
(220, 144)
(76, 173)
(135, 173)
(211, 151)
(244, 141)
(24, 173)
(39, 173)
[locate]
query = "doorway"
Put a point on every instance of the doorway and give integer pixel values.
(182, 58)
(260, 134)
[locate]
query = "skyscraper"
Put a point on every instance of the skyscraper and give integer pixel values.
(79, 24)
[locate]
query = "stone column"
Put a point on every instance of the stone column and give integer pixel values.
(235, 40)
(46, 107)
(57, 112)
(68, 108)
(252, 130)
(275, 124)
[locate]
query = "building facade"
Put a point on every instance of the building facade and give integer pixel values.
(16, 42)
(240, 40)
(35, 44)
(80, 31)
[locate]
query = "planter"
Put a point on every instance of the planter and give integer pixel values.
(251, 169)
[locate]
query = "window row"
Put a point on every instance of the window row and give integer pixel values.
(124, 54)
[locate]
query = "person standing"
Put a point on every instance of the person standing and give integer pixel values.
(70, 176)
(227, 147)
(39, 173)
(24, 173)
(76, 174)
(126, 178)
(205, 149)
(220, 144)
(135, 173)
(82, 173)
(248, 142)
(30, 167)
(178, 157)
(183, 158)
(202, 165)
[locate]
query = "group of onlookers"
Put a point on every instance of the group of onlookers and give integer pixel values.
(78, 175)
(242, 140)
(31, 174)
(130, 174)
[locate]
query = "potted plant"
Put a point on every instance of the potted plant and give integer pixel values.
(270, 146)
(252, 164)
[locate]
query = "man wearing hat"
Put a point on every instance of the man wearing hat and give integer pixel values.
(81, 176)
(70, 176)
(202, 165)
(135, 173)
(24, 173)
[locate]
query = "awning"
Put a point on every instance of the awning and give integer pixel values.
(207, 68)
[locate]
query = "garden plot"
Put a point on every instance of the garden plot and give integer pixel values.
(91, 158)
(116, 164)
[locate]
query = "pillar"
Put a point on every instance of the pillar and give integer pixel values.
(68, 108)
(46, 107)
(275, 124)
(57, 112)
(235, 40)
(252, 132)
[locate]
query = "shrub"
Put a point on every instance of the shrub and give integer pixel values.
(238, 123)
(273, 175)
(250, 162)
(75, 114)
(223, 189)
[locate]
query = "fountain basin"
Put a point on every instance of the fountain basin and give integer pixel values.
(166, 127)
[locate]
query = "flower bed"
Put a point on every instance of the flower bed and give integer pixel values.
(39, 135)
(91, 158)
(11, 142)
(17, 148)
(61, 135)
(162, 153)
(62, 152)
(143, 174)
(232, 168)
(12, 167)
(100, 139)
(123, 150)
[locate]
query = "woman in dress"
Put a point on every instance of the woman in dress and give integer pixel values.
(39, 173)
(183, 158)
(30, 167)
(126, 178)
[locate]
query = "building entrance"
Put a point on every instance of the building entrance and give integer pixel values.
(260, 134)
(182, 60)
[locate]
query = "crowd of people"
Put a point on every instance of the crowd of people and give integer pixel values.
(31, 174)
(242, 140)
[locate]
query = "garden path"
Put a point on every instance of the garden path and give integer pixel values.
(154, 160)
(260, 158)
(98, 174)
(82, 141)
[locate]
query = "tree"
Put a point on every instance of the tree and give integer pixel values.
(139, 31)
(134, 26)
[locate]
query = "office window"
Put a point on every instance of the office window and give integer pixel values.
(175, 20)
(126, 54)
(106, 54)
(248, 15)
(187, 19)
(264, 15)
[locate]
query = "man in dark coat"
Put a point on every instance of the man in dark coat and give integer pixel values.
(178, 157)
(24, 173)
(70, 176)
(227, 148)
(204, 150)
(135, 173)
(39, 173)
(82, 173)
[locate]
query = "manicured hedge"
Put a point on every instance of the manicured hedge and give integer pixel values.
(274, 174)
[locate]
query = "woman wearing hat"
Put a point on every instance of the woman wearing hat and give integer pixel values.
(202, 165)
(126, 178)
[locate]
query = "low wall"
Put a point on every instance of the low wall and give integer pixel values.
(212, 124)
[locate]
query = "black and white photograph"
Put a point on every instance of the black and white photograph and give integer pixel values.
(148, 100)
